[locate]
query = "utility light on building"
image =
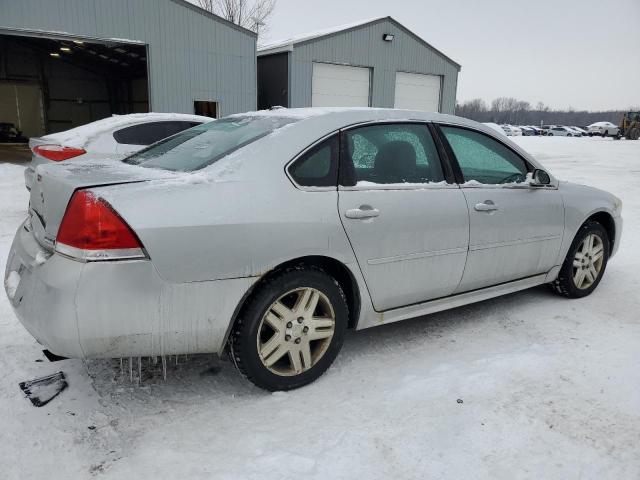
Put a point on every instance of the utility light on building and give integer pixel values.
(54, 54)
(78, 42)
(65, 49)
(388, 37)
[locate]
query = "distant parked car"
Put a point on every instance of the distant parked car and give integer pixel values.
(10, 134)
(561, 131)
(577, 133)
(581, 130)
(112, 138)
(538, 130)
(496, 127)
(604, 129)
(511, 131)
(528, 131)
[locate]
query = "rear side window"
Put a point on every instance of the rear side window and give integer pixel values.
(152, 132)
(205, 144)
(483, 159)
(319, 166)
(395, 153)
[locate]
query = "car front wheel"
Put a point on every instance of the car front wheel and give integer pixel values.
(585, 263)
(291, 330)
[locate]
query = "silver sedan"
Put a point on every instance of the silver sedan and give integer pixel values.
(269, 234)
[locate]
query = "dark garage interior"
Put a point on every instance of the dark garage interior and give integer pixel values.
(49, 85)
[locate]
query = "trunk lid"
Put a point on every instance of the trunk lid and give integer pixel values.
(54, 184)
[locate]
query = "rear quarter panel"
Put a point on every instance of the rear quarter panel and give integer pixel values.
(238, 218)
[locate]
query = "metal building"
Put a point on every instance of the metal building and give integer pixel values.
(64, 63)
(377, 63)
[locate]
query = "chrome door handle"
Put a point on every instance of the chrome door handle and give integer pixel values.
(363, 212)
(487, 206)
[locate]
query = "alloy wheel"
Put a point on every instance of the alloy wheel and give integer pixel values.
(588, 261)
(296, 331)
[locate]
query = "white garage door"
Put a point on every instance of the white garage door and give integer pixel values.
(339, 86)
(418, 92)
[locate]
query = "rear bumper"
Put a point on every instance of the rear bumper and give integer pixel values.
(115, 309)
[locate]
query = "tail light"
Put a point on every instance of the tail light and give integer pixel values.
(92, 230)
(58, 153)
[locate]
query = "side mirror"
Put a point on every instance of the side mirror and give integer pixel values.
(540, 178)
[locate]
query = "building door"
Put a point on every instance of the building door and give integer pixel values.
(21, 104)
(418, 92)
(205, 108)
(340, 86)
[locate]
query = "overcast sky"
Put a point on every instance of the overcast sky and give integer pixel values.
(583, 54)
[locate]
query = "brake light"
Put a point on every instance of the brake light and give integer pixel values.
(92, 230)
(58, 153)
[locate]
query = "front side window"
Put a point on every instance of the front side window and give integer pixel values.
(483, 159)
(319, 166)
(205, 144)
(402, 153)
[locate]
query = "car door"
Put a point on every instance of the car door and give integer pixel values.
(408, 226)
(515, 229)
(135, 137)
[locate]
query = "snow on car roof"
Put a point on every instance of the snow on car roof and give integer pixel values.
(302, 113)
(355, 114)
(80, 136)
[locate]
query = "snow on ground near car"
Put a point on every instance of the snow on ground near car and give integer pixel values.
(530, 385)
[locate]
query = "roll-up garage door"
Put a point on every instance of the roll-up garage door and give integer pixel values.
(340, 86)
(418, 92)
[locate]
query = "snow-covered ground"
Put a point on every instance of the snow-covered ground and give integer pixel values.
(549, 387)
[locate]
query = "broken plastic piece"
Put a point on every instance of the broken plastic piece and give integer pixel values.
(41, 391)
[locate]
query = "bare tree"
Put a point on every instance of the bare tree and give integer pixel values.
(251, 14)
(518, 112)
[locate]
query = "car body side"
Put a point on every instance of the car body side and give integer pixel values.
(211, 239)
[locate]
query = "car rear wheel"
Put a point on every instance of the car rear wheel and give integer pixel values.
(291, 330)
(585, 263)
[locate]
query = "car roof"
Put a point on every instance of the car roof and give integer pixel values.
(341, 117)
(84, 134)
(317, 122)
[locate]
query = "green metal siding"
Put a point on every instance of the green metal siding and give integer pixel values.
(191, 55)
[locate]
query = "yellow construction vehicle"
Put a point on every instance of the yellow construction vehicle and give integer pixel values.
(630, 126)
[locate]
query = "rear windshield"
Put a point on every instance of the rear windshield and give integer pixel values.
(205, 144)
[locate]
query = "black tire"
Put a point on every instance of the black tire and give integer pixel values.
(243, 340)
(564, 285)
